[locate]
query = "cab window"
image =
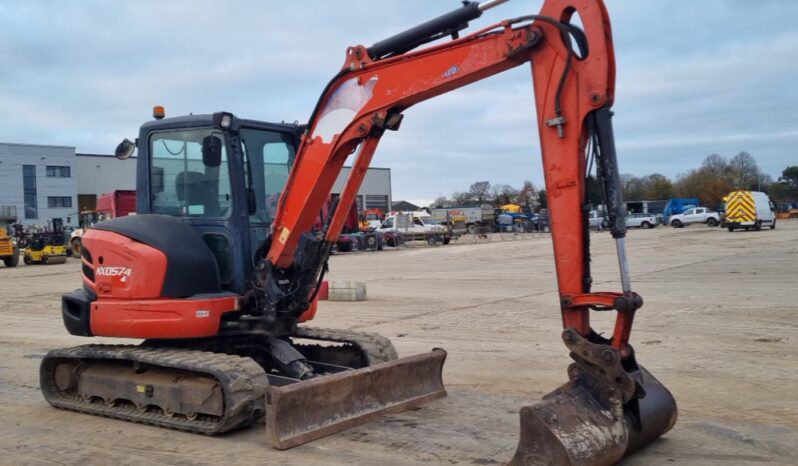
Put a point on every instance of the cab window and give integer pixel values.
(182, 182)
(269, 155)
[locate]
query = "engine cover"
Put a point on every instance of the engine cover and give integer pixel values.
(147, 276)
(190, 267)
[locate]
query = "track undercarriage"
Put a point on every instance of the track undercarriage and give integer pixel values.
(215, 385)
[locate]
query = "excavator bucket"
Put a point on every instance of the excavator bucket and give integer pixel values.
(305, 411)
(585, 422)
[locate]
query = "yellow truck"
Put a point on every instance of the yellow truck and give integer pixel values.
(9, 253)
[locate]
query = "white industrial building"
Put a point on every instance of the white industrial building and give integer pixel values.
(375, 191)
(100, 174)
(43, 182)
(39, 182)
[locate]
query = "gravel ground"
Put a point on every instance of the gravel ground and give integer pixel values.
(718, 329)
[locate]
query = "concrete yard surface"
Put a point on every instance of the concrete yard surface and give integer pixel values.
(719, 328)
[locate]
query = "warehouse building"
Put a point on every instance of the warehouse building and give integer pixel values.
(375, 191)
(100, 174)
(40, 182)
(43, 182)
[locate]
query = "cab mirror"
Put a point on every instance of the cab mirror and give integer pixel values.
(125, 149)
(212, 151)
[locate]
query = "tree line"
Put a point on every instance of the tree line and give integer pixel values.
(482, 192)
(714, 179)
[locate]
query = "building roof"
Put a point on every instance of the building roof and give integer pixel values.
(404, 205)
(21, 144)
(80, 154)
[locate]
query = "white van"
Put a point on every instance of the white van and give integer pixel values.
(749, 209)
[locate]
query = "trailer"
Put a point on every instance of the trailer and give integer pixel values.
(115, 204)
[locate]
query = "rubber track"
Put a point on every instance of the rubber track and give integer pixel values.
(376, 347)
(243, 382)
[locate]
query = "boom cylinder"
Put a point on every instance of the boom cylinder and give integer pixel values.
(610, 177)
(442, 26)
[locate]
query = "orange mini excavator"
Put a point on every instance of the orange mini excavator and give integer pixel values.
(219, 271)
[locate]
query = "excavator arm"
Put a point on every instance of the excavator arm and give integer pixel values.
(573, 89)
(611, 405)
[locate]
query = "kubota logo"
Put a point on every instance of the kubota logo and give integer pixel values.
(123, 272)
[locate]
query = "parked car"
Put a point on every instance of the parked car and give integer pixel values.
(540, 222)
(598, 220)
(345, 243)
(695, 215)
(641, 221)
(360, 241)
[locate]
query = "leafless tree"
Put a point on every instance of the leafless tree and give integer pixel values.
(480, 191)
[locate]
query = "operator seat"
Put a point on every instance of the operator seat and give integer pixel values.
(194, 188)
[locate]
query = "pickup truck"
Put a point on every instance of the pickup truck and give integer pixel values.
(695, 215)
(641, 221)
(412, 228)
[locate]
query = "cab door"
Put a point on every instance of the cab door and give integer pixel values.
(191, 175)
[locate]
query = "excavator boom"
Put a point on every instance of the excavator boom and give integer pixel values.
(611, 406)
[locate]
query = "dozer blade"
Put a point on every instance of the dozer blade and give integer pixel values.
(305, 411)
(585, 422)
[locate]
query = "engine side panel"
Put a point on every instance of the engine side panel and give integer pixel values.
(160, 318)
(191, 266)
(116, 266)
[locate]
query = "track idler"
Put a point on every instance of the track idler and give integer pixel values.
(609, 408)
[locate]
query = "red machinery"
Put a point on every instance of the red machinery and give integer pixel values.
(610, 407)
(116, 204)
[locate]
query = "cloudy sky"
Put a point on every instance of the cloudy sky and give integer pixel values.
(693, 78)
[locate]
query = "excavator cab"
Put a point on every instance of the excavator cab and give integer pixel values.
(222, 176)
